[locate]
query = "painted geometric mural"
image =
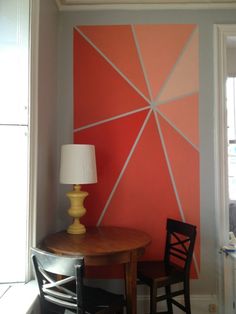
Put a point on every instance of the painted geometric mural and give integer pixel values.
(136, 93)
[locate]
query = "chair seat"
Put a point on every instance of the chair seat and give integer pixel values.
(158, 272)
(96, 300)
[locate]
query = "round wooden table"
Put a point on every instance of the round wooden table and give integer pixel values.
(105, 246)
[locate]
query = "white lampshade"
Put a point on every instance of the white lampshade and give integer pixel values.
(78, 164)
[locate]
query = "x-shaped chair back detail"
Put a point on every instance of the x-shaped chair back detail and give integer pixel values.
(54, 274)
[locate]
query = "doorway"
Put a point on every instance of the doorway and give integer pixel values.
(224, 162)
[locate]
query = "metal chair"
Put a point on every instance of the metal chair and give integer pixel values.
(175, 268)
(61, 287)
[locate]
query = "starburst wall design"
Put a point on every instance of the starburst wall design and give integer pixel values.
(136, 93)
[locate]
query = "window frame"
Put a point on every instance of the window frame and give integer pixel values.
(34, 7)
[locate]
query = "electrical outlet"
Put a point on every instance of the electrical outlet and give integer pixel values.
(212, 308)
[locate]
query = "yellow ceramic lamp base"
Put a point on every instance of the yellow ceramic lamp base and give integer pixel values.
(77, 210)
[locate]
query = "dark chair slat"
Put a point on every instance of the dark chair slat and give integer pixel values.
(178, 256)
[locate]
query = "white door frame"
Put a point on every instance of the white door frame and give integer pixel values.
(33, 130)
(221, 162)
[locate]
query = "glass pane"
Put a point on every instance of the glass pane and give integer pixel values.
(13, 202)
(8, 18)
(231, 124)
(13, 62)
(230, 91)
(232, 171)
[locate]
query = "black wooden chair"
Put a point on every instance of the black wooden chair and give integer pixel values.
(60, 282)
(175, 268)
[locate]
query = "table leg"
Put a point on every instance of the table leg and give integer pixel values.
(130, 283)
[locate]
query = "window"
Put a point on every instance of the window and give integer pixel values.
(14, 133)
(231, 124)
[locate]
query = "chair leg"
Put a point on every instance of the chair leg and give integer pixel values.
(168, 300)
(187, 297)
(153, 303)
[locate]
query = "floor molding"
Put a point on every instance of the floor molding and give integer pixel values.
(199, 304)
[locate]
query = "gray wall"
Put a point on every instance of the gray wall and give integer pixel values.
(207, 283)
(55, 114)
(47, 119)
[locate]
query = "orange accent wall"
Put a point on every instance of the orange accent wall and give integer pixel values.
(136, 99)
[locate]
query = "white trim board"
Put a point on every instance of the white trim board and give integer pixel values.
(199, 304)
(74, 2)
(33, 129)
(80, 5)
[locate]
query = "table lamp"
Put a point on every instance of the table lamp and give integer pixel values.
(78, 166)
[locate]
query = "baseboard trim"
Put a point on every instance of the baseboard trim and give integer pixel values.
(199, 304)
